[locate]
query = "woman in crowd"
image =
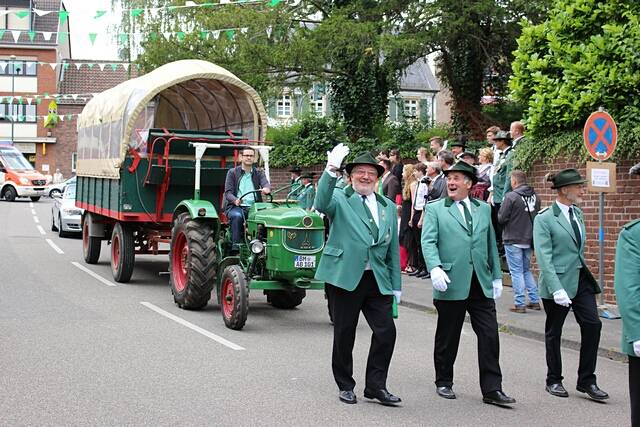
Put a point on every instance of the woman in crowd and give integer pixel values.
(407, 240)
(485, 172)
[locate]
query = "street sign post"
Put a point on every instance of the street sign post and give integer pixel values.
(600, 138)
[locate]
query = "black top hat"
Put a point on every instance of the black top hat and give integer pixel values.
(308, 175)
(465, 168)
(459, 141)
(364, 159)
(295, 169)
(565, 177)
(503, 135)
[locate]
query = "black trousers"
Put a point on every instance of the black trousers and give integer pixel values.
(586, 313)
(482, 311)
(497, 227)
(417, 237)
(634, 390)
(377, 310)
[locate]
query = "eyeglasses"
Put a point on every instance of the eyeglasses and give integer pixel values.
(248, 155)
(361, 172)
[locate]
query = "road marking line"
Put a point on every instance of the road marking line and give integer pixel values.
(35, 218)
(53, 245)
(93, 274)
(30, 204)
(41, 230)
(193, 327)
(33, 211)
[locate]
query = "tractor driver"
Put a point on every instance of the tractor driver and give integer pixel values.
(241, 180)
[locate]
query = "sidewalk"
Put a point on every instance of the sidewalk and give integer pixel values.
(417, 294)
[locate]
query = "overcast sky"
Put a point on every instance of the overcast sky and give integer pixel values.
(82, 22)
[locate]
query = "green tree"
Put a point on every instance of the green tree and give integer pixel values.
(583, 57)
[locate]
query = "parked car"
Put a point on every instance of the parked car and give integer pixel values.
(65, 216)
(57, 189)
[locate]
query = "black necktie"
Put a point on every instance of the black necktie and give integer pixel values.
(467, 217)
(372, 222)
(574, 225)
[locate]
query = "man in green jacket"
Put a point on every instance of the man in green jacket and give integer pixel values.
(307, 193)
(459, 247)
(627, 287)
(500, 181)
(361, 266)
(296, 182)
(559, 235)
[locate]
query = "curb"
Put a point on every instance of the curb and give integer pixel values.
(609, 353)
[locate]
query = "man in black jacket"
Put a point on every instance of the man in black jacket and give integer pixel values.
(516, 214)
(243, 180)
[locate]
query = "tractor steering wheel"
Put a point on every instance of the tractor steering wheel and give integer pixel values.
(257, 192)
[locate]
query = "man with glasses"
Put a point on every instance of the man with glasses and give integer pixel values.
(243, 179)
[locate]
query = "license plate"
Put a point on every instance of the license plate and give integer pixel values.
(304, 261)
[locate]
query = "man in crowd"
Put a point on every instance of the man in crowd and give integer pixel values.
(58, 177)
(501, 181)
(517, 133)
(388, 183)
(308, 192)
(468, 157)
(460, 250)
(361, 266)
(627, 287)
(458, 145)
(437, 181)
(445, 157)
(422, 155)
(296, 182)
(243, 180)
(437, 144)
(491, 133)
(416, 219)
(565, 282)
(516, 215)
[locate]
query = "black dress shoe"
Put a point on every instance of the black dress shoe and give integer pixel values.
(423, 275)
(383, 396)
(498, 398)
(347, 396)
(593, 391)
(557, 390)
(415, 272)
(445, 392)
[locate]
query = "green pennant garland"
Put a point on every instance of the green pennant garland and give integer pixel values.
(153, 36)
(92, 38)
(123, 37)
(274, 3)
(204, 34)
(22, 14)
(32, 35)
(2, 33)
(136, 12)
(99, 14)
(230, 34)
(63, 16)
(69, 116)
(66, 65)
(113, 66)
(180, 35)
(38, 100)
(62, 37)
(90, 66)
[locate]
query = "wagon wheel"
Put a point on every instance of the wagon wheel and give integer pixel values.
(234, 297)
(90, 245)
(192, 262)
(122, 253)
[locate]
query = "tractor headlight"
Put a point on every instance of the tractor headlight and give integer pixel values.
(256, 246)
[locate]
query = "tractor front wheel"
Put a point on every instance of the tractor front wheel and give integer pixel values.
(234, 297)
(122, 253)
(286, 299)
(192, 262)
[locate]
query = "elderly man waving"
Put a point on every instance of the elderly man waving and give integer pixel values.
(361, 266)
(460, 250)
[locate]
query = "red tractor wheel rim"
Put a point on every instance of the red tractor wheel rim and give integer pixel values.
(228, 298)
(85, 236)
(115, 251)
(179, 257)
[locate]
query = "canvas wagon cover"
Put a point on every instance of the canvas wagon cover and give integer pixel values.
(187, 94)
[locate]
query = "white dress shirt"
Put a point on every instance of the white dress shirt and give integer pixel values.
(565, 211)
(461, 208)
(372, 204)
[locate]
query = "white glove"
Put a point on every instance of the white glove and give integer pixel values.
(397, 294)
(636, 348)
(439, 279)
(497, 288)
(561, 298)
(336, 156)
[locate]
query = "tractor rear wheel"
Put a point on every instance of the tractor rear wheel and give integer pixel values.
(122, 253)
(192, 262)
(234, 297)
(90, 245)
(286, 299)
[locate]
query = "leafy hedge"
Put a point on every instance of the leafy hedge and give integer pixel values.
(306, 142)
(585, 55)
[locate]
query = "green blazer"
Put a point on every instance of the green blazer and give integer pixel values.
(306, 196)
(502, 175)
(296, 188)
(557, 252)
(350, 244)
(446, 242)
(627, 284)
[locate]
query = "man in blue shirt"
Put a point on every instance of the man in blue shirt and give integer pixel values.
(241, 180)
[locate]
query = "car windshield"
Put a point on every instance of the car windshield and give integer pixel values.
(15, 161)
(69, 192)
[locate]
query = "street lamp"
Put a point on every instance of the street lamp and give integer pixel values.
(13, 80)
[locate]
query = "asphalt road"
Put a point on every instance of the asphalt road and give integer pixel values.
(76, 348)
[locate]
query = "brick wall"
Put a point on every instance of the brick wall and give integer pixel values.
(619, 208)
(67, 140)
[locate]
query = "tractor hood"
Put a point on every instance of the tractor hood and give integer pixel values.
(286, 217)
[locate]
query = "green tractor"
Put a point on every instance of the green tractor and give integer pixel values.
(282, 246)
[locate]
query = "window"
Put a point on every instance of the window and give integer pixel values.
(18, 67)
(283, 106)
(318, 107)
(411, 108)
(12, 22)
(21, 112)
(74, 162)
